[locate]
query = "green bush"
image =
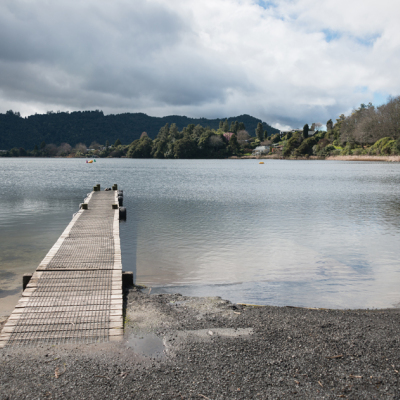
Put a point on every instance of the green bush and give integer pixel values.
(358, 151)
(329, 149)
(348, 149)
(390, 148)
(385, 146)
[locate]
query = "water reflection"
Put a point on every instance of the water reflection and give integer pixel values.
(287, 233)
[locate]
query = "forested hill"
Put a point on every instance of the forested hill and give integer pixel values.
(88, 126)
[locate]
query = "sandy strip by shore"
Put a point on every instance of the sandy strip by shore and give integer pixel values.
(178, 347)
(364, 158)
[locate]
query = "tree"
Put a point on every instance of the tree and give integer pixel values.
(216, 141)
(318, 126)
(190, 129)
(260, 132)
(107, 144)
(234, 145)
(94, 145)
(80, 148)
(276, 138)
(163, 132)
(242, 137)
(64, 149)
(42, 145)
(289, 146)
(50, 150)
(14, 152)
(173, 131)
(140, 148)
(329, 125)
(241, 127)
(225, 126)
(117, 143)
(306, 146)
(234, 127)
(185, 148)
(198, 131)
(305, 131)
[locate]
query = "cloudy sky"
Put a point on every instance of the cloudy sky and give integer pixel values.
(288, 62)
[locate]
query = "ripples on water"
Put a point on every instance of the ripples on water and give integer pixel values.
(304, 233)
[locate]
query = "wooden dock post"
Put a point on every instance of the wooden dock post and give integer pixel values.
(25, 280)
(127, 278)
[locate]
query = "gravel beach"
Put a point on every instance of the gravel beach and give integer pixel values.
(178, 347)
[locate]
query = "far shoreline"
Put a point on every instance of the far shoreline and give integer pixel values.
(316, 158)
(365, 158)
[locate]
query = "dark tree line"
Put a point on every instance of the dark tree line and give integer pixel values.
(89, 126)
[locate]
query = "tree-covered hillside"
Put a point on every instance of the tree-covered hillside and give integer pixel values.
(89, 126)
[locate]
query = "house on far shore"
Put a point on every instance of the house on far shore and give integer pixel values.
(261, 150)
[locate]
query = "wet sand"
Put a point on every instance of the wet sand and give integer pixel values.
(178, 347)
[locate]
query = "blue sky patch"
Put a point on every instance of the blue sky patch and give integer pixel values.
(266, 3)
(380, 98)
(331, 35)
(367, 41)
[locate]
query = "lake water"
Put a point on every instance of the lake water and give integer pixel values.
(300, 233)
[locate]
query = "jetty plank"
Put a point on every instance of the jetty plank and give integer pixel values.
(75, 294)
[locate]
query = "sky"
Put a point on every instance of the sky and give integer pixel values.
(287, 62)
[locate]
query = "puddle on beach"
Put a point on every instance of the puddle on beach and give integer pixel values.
(149, 345)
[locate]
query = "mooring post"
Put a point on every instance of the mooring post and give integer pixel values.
(25, 280)
(98, 187)
(115, 187)
(122, 213)
(84, 206)
(127, 278)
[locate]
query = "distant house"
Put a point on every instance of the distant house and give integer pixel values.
(261, 150)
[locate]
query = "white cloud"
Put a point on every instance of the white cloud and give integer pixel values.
(290, 63)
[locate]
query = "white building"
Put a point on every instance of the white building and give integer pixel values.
(261, 150)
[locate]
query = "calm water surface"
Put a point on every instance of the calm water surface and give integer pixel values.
(302, 233)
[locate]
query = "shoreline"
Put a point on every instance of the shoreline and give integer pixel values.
(178, 347)
(329, 158)
(268, 157)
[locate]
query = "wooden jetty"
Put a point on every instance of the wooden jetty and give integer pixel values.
(75, 294)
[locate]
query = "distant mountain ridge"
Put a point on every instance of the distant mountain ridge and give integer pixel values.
(88, 126)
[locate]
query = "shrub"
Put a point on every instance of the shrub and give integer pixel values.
(329, 149)
(358, 151)
(385, 146)
(347, 150)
